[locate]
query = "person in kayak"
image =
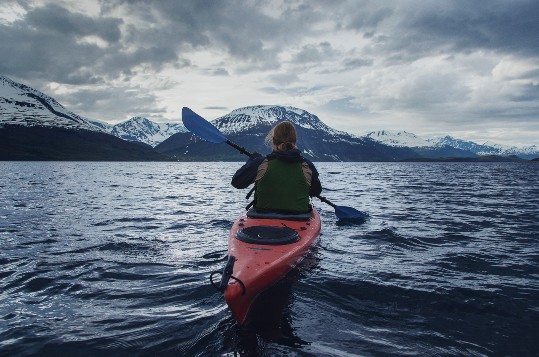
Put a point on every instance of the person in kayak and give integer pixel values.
(284, 179)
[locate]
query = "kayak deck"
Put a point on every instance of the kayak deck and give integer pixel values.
(272, 248)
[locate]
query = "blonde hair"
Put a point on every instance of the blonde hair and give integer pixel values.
(282, 137)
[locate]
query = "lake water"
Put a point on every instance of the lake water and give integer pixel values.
(114, 258)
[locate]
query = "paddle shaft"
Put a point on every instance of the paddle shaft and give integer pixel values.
(239, 148)
(325, 200)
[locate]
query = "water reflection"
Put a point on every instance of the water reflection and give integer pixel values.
(270, 319)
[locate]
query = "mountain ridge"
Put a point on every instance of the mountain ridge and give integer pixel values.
(144, 130)
(21, 105)
(486, 149)
(26, 106)
(250, 125)
(34, 126)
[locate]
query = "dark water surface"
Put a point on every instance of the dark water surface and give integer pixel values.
(114, 258)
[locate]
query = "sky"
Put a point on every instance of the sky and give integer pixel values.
(464, 68)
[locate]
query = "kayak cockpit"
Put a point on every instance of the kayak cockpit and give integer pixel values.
(270, 235)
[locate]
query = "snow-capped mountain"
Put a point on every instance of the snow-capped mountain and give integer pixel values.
(146, 131)
(250, 125)
(243, 119)
(527, 152)
(398, 138)
(479, 149)
(34, 126)
(487, 148)
(443, 146)
(24, 106)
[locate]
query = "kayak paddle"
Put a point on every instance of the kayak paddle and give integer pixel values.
(343, 212)
(207, 131)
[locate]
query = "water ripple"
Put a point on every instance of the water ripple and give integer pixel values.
(114, 258)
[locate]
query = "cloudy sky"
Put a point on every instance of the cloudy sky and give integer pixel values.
(464, 68)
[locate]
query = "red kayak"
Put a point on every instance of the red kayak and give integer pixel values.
(262, 249)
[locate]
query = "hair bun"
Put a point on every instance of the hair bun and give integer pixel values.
(283, 136)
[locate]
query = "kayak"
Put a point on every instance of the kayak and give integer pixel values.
(262, 249)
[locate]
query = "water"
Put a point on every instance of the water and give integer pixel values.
(114, 258)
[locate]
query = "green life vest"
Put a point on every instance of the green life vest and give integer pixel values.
(283, 188)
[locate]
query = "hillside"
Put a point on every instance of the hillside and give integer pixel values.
(34, 126)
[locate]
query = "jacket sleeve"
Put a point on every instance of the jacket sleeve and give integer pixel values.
(246, 174)
(316, 186)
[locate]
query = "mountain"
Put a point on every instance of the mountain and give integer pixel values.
(527, 152)
(487, 149)
(37, 143)
(145, 131)
(141, 130)
(34, 126)
(398, 138)
(423, 148)
(101, 125)
(24, 106)
(250, 125)
(448, 146)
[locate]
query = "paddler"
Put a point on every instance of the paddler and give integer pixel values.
(284, 179)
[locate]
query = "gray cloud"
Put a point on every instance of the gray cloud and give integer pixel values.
(510, 27)
(218, 72)
(156, 33)
(48, 43)
(28, 53)
(55, 19)
(437, 60)
(416, 28)
(315, 53)
(284, 79)
(112, 104)
(346, 105)
(241, 30)
(355, 63)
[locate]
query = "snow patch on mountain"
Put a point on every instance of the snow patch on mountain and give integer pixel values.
(106, 127)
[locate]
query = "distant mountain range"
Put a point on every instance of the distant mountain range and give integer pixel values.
(411, 140)
(34, 126)
(249, 126)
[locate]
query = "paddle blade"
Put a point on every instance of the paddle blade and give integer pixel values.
(349, 213)
(201, 127)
